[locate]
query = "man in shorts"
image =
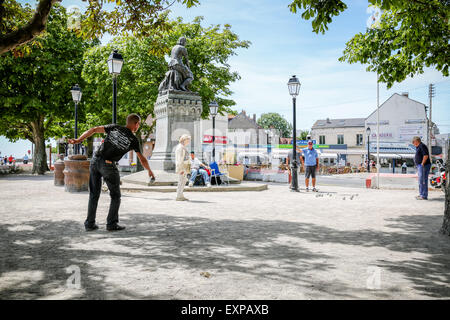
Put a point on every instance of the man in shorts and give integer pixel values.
(311, 160)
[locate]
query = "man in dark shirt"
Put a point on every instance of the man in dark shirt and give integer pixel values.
(119, 140)
(423, 164)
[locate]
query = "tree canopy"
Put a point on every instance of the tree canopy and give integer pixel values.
(35, 88)
(411, 35)
(275, 120)
(20, 25)
(209, 49)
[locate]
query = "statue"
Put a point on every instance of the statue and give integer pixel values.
(179, 75)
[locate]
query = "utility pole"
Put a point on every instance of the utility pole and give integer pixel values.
(430, 123)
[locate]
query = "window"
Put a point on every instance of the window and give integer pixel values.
(359, 139)
(340, 139)
(321, 139)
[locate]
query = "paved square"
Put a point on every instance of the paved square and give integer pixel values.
(345, 243)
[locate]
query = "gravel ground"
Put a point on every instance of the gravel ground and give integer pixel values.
(343, 243)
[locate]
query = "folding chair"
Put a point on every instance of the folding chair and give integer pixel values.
(215, 172)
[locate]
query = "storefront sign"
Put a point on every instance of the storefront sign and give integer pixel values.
(218, 139)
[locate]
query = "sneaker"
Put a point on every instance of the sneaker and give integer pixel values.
(191, 184)
(420, 198)
(91, 228)
(182, 199)
(208, 185)
(115, 227)
(307, 189)
(315, 190)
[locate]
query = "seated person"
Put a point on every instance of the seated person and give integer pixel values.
(196, 168)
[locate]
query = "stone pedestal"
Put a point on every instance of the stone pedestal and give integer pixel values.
(76, 174)
(177, 113)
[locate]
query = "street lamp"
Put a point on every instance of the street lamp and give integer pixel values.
(368, 150)
(294, 89)
(76, 96)
(213, 109)
(269, 135)
(115, 62)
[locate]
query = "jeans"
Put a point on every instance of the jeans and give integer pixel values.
(98, 169)
(423, 172)
(203, 172)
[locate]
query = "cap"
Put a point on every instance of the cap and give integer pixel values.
(310, 142)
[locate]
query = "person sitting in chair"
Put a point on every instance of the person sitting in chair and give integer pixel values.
(196, 168)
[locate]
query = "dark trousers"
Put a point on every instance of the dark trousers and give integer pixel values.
(98, 169)
(423, 172)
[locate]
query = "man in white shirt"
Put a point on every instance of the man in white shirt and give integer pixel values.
(196, 168)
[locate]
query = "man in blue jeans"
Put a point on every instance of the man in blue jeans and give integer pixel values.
(197, 167)
(423, 164)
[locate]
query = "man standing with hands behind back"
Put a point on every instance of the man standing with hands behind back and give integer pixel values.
(119, 140)
(423, 164)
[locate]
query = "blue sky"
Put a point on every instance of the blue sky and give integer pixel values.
(282, 45)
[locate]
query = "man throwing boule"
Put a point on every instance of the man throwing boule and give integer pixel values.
(119, 140)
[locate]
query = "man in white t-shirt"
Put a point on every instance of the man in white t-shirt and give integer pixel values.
(198, 167)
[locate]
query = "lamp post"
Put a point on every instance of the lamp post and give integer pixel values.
(368, 150)
(294, 89)
(269, 147)
(213, 109)
(76, 96)
(115, 62)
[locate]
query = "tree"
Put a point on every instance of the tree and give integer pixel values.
(411, 35)
(139, 17)
(276, 121)
(35, 88)
(303, 134)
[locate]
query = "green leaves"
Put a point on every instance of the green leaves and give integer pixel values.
(37, 85)
(412, 34)
(144, 68)
(323, 11)
(273, 119)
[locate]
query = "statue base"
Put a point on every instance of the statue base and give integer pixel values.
(177, 113)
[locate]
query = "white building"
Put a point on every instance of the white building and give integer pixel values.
(401, 118)
(348, 133)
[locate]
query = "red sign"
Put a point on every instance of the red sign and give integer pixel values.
(218, 139)
(29, 151)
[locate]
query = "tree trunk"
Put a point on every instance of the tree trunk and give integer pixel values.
(446, 225)
(39, 156)
(28, 32)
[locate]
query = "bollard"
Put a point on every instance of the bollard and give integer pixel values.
(368, 183)
(76, 174)
(59, 171)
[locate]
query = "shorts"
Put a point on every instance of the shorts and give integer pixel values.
(310, 171)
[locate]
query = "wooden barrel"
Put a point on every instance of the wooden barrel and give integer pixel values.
(59, 172)
(76, 174)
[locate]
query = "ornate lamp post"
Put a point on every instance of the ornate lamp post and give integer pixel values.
(368, 150)
(213, 109)
(269, 134)
(76, 96)
(115, 62)
(294, 89)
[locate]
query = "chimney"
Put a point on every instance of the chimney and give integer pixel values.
(328, 120)
(405, 94)
(254, 117)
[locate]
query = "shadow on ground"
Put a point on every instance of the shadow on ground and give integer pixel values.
(254, 247)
